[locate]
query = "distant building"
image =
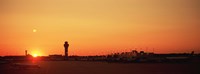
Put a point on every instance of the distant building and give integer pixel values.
(56, 57)
(66, 45)
(26, 53)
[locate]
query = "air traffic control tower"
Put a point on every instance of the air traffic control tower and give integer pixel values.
(66, 45)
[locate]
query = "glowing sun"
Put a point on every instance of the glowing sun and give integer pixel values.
(34, 30)
(35, 55)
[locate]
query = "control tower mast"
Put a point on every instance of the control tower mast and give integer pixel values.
(66, 45)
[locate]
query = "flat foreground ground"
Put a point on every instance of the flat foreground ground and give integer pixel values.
(80, 67)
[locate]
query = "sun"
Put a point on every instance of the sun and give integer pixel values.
(35, 55)
(36, 52)
(34, 30)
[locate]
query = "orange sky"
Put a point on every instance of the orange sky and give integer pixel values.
(94, 27)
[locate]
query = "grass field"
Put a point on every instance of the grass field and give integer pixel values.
(81, 67)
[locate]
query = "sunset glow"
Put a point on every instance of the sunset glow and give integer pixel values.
(36, 52)
(96, 27)
(35, 55)
(34, 30)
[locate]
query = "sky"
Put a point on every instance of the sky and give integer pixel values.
(98, 27)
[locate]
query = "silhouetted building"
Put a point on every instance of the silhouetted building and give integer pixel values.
(26, 52)
(56, 57)
(66, 45)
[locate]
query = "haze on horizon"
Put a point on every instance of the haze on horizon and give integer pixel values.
(95, 27)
